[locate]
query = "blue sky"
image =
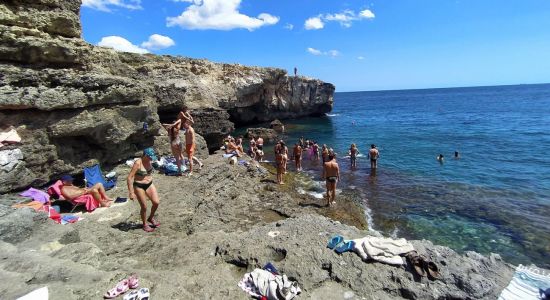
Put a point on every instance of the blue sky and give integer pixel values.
(374, 45)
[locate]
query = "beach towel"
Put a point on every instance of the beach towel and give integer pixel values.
(36, 195)
(87, 200)
(8, 136)
(260, 283)
(68, 219)
(52, 213)
(94, 176)
(38, 294)
(33, 204)
(385, 250)
(526, 284)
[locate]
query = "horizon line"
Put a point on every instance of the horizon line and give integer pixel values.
(441, 88)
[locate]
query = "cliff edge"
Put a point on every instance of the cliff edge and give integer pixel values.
(74, 103)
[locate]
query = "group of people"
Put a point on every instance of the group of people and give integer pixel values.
(330, 168)
(140, 179)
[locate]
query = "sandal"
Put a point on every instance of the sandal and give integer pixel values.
(154, 222)
(345, 247)
(143, 294)
(432, 269)
(148, 228)
(335, 241)
(133, 295)
(119, 289)
(417, 262)
(133, 282)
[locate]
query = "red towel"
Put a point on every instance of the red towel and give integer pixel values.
(88, 200)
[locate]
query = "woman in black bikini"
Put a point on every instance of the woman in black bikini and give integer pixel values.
(140, 184)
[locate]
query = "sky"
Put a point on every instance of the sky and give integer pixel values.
(356, 45)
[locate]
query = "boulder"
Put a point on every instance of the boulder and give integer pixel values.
(277, 126)
(268, 134)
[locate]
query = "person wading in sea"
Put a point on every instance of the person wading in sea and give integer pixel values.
(373, 154)
(331, 173)
(298, 156)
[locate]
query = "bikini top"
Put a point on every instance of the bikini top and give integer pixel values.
(146, 172)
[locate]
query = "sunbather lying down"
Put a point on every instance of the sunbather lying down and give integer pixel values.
(71, 192)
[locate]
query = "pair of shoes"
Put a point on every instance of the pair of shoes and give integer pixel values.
(141, 294)
(422, 266)
(122, 287)
(339, 245)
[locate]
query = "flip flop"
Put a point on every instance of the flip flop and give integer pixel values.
(335, 241)
(143, 294)
(148, 228)
(345, 247)
(154, 222)
(119, 289)
(417, 262)
(432, 269)
(133, 282)
(133, 295)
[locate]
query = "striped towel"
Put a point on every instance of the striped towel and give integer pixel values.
(526, 284)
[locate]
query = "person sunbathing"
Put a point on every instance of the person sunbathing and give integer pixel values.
(71, 192)
(232, 148)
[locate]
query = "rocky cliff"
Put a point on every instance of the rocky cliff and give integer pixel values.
(74, 103)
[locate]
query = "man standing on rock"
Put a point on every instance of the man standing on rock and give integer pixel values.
(298, 156)
(331, 173)
(189, 145)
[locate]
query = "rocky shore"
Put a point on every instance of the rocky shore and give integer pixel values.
(217, 225)
(76, 104)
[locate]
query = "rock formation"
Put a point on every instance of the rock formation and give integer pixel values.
(73, 103)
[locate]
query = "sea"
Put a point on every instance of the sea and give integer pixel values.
(493, 198)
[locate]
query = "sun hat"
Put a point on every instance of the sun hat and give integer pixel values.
(150, 152)
(67, 177)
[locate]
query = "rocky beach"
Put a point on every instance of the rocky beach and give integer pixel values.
(74, 105)
(215, 226)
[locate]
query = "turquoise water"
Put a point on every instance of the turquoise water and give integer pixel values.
(495, 198)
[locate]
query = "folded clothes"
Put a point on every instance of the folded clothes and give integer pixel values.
(36, 195)
(385, 250)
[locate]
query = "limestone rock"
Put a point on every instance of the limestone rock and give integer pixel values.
(268, 134)
(79, 104)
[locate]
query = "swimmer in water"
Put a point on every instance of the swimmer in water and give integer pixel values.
(440, 158)
(457, 156)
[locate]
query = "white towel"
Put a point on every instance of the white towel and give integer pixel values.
(385, 250)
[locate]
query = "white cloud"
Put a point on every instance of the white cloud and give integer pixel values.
(289, 26)
(314, 23)
(360, 57)
(218, 15)
(367, 14)
(120, 44)
(345, 18)
(157, 42)
(314, 51)
(333, 53)
(317, 52)
(105, 5)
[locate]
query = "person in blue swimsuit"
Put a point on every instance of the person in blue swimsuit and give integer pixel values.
(140, 186)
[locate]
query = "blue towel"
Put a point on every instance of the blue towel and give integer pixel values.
(94, 176)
